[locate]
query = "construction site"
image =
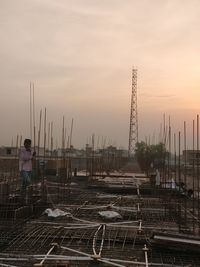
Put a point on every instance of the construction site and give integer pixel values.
(102, 209)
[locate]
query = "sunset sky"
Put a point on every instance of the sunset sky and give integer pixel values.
(80, 54)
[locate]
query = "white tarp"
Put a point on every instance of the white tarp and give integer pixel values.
(108, 214)
(56, 213)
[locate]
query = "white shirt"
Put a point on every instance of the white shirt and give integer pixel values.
(25, 160)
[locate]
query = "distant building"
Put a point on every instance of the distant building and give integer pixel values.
(7, 151)
(191, 157)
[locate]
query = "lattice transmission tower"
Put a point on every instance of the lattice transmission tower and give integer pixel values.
(133, 131)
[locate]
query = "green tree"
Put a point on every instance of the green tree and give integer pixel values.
(150, 155)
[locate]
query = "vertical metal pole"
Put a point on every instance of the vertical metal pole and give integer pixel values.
(45, 122)
(16, 155)
(34, 134)
(20, 141)
(39, 131)
(51, 138)
(63, 172)
(185, 174)
(164, 128)
(70, 147)
(175, 170)
(164, 142)
(169, 200)
(92, 162)
(63, 135)
(44, 157)
(71, 131)
(160, 134)
(30, 111)
(48, 138)
(193, 174)
(198, 155)
(179, 179)
(169, 153)
(34, 126)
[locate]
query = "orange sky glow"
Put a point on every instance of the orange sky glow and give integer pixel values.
(80, 54)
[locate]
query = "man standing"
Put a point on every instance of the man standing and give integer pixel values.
(25, 166)
(157, 178)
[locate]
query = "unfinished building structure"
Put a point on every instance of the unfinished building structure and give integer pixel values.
(99, 214)
(97, 218)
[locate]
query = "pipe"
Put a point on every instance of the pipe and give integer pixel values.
(45, 257)
(145, 249)
(140, 226)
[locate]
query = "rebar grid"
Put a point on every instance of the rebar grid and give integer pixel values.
(119, 242)
(174, 258)
(123, 238)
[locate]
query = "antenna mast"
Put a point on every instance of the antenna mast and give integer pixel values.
(133, 132)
